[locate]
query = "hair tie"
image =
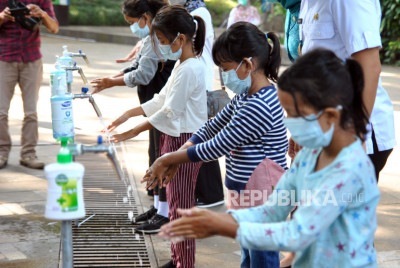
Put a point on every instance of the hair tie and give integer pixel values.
(196, 27)
(266, 35)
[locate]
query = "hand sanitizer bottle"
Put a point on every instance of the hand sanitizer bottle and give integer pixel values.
(66, 60)
(55, 75)
(61, 113)
(64, 191)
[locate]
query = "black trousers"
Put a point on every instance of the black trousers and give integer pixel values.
(209, 187)
(378, 158)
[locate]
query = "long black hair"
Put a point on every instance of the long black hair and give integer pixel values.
(323, 80)
(171, 20)
(136, 8)
(244, 40)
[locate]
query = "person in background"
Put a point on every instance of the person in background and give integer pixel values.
(209, 190)
(248, 131)
(21, 63)
(177, 111)
(334, 225)
(244, 11)
(149, 72)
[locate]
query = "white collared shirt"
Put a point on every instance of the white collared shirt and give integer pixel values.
(181, 105)
(346, 27)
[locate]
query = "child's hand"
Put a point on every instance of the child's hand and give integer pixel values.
(124, 136)
(100, 84)
(120, 120)
(195, 223)
(157, 172)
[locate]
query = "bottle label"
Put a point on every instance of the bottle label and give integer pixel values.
(62, 118)
(69, 193)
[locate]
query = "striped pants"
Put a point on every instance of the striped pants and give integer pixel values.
(180, 194)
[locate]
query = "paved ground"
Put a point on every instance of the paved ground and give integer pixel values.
(27, 239)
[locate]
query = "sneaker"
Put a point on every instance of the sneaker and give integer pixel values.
(3, 161)
(208, 205)
(145, 216)
(31, 162)
(153, 225)
(169, 264)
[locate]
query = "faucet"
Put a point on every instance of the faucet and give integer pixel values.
(79, 149)
(76, 68)
(80, 54)
(84, 95)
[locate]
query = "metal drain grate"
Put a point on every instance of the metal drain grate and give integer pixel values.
(107, 239)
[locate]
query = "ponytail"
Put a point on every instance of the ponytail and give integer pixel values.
(245, 40)
(359, 114)
(171, 20)
(199, 36)
(271, 66)
(320, 79)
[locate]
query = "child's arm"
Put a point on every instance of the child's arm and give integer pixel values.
(133, 132)
(100, 84)
(125, 116)
(249, 124)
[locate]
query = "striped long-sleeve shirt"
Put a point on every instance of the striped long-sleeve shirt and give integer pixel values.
(248, 130)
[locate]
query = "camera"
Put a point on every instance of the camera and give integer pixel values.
(19, 11)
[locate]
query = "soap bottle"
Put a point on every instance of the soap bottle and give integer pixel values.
(66, 60)
(65, 191)
(57, 73)
(61, 113)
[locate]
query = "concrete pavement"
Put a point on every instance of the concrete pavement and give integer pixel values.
(27, 239)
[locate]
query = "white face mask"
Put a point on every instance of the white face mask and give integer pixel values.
(177, 2)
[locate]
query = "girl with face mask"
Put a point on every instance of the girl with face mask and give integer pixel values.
(334, 225)
(149, 73)
(248, 130)
(177, 111)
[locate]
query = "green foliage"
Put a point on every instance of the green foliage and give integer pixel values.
(220, 9)
(96, 12)
(390, 32)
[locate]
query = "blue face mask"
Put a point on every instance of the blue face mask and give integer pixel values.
(234, 83)
(166, 50)
(140, 32)
(307, 132)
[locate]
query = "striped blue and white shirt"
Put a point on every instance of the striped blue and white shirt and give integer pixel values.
(248, 130)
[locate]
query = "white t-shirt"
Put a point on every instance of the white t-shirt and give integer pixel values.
(206, 57)
(181, 105)
(346, 27)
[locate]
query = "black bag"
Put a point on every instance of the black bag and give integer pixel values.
(217, 99)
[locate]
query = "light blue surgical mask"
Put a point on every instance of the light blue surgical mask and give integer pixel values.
(140, 32)
(234, 83)
(307, 132)
(166, 50)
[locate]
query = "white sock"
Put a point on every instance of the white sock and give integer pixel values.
(163, 209)
(156, 201)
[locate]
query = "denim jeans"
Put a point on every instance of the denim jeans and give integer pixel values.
(259, 259)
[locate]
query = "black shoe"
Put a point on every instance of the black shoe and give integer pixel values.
(145, 216)
(153, 225)
(209, 205)
(169, 264)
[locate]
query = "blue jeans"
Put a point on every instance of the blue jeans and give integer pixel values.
(259, 259)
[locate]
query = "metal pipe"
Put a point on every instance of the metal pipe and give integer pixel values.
(66, 238)
(80, 54)
(76, 68)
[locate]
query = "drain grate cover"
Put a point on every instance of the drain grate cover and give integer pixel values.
(107, 239)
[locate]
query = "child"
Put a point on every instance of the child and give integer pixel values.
(249, 129)
(335, 227)
(149, 74)
(177, 111)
